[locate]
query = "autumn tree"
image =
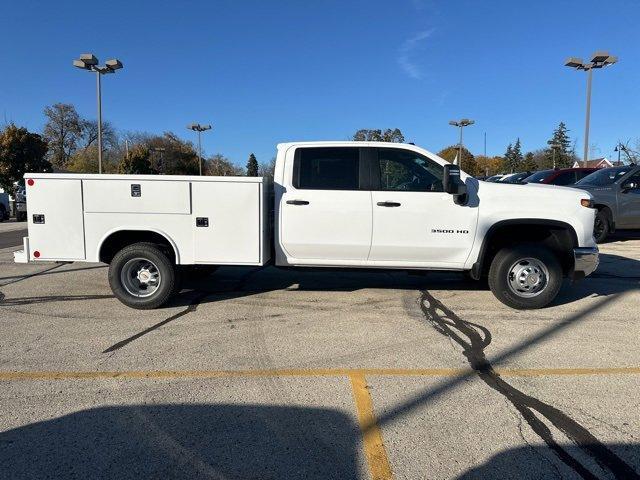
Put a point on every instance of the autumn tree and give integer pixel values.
(137, 161)
(62, 132)
(388, 135)
(20, 152)
(468, 162)
(219, 165)
(489, 165)
(252, 166)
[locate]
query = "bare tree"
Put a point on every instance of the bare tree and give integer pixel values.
(62, 131)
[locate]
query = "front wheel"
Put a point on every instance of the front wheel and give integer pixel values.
(142, 276)
(601, 227)
(525, 276)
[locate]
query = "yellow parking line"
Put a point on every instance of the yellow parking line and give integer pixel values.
(322, 372)
(372, 436)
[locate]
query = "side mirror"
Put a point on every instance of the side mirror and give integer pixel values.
(630, 185)
(451, 181)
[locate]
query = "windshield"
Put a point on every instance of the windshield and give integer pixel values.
(538, 176)
(606, 176)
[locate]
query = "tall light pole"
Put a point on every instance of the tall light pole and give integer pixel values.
(599, 60)
(196, 127)
(88, 61)
(620, 148)
(465, 122)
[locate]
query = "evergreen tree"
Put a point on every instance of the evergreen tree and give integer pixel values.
(508, 158)
(252, 166)
(529, 164)
(518, 158)
(564, 154)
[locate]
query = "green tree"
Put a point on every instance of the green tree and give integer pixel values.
(468, 162)
(137, 162)
(62, 131)
(20, 152)
(252, 166)
(564, 154)
(513, 157)
(388, 135)
(529, 164)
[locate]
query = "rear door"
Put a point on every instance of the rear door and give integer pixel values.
(56, 222)
(414, 221)
(325, 214)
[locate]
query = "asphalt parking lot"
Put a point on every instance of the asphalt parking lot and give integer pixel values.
(261, 373)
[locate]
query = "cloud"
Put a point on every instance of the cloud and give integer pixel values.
(405, 52)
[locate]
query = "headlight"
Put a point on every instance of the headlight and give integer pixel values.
(586, 202)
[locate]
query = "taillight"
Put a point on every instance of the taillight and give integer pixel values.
(30, 182)
(36, 254)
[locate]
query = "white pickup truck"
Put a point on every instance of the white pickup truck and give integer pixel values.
(335, 204)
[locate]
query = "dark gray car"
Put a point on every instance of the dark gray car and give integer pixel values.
(616, 194)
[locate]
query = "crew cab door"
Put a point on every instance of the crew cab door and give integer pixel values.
(324, 215)
(415, 223)
(629, 202)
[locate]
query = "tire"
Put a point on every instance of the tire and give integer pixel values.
(21, 216)
(3, 213)
(152, 286)
(601, 226)
(525, 277)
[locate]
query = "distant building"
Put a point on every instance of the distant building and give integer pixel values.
(595, 163)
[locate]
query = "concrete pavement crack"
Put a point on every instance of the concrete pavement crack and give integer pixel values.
(473, 339)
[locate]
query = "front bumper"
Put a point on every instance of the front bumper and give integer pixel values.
(585, 261)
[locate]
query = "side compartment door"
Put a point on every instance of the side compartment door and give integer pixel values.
(56, 224)
(324, 214)
(414, 221)
(226, 222)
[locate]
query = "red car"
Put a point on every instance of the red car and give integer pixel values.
(559, 176)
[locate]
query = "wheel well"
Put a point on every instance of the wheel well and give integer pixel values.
(118, 240)
(607, 211)
(559, 237)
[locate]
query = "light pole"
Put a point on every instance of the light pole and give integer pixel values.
(599, 60)
(196, 127)
(619, 148)
(465, 122)
(554, 146)
(88, 61)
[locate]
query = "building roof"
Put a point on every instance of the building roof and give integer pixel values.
(594, 163)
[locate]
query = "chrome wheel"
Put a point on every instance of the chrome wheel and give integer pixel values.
(140, 277)
(528, 277)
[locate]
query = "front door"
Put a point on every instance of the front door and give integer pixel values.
(324, 215)
(415, 223)
(629, 203)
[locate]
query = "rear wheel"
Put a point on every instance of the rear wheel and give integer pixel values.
(525, 276)
(3, 213)
(601, 226)
(21, 216)
(142, 276)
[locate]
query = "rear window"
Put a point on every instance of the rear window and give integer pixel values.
(327, 168)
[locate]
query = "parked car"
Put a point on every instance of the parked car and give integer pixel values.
(616, 196)
(559, 176)
(494, 178)
(514, 177)
(21, 203)
(336, 204)
(4, 206)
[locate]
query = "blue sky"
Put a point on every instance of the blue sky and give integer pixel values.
(264, 72)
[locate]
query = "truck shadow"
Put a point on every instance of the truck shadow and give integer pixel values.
(186, 441)
(238, 282)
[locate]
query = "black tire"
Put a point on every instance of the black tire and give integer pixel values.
(601, 226)
(162, 265)
(21, 216)
(3, 213)
(512, 289)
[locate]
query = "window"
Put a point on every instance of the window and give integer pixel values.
(565, 178)
(327, 168)
(404, 170)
